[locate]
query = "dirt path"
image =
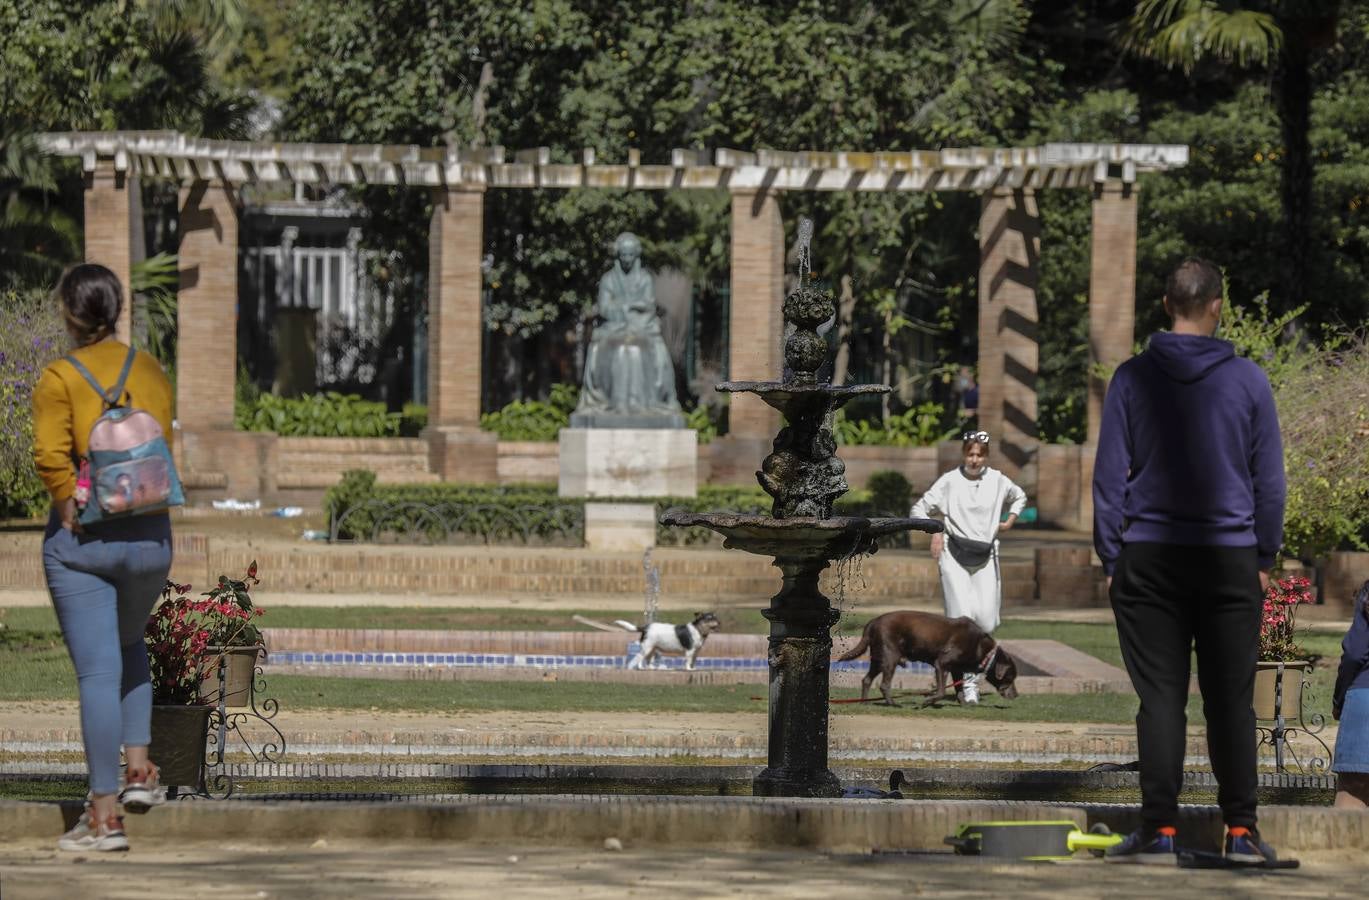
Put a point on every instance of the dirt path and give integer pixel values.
(36, 717)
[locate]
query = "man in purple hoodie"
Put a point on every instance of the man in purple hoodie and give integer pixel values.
(1188, 496)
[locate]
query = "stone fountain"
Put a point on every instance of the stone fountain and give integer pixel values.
(804, 476)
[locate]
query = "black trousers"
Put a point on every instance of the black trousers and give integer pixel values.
(1169, 600)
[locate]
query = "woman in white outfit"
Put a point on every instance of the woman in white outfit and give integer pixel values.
(970, 499)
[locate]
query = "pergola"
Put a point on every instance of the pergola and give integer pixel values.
(209, 173)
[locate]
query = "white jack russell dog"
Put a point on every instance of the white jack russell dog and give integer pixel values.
(660, 637)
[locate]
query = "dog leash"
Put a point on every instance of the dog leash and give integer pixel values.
(983, 666)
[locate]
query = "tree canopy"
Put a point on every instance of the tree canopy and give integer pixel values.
(1274, 196)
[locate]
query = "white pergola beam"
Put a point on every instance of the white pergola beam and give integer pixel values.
(168, 154)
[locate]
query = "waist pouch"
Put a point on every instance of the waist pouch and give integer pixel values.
(970, 554)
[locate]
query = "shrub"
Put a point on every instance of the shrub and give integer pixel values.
(500, 513)
(319, 415)
(358, 508)
(920, 426)
(704, 420)
(31, 336)
(534, 420)
(413, 418)
(1322, 395)
(1323, 404)
(890, 492)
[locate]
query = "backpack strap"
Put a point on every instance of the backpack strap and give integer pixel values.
(114, 394)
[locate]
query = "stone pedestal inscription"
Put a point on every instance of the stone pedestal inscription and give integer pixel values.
(617, 463)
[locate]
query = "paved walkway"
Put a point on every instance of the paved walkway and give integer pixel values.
(240, 868)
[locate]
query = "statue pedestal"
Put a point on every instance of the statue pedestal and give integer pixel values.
(620, 463)
(620, 527)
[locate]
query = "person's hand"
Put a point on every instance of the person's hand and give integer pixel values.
(1007, 524)
(1109, 585)
(66, 510)
(938, 543)
(1264, 581)
(1335, 712)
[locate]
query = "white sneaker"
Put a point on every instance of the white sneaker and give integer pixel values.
(142, 791)
(969, 688)
(84, 837)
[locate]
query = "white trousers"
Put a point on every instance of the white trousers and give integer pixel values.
(976, 593)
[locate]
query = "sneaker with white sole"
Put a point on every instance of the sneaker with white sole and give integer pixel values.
(142, 790)
(86, 836)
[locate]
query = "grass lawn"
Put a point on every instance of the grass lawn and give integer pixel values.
(36, 667)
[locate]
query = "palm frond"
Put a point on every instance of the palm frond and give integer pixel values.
(154, 281)
(1180, 34)
(153, 273)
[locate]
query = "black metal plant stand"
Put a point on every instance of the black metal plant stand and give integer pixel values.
(1281, 730)
(225, 720)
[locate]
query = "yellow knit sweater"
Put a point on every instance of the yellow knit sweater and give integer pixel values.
(65, 407)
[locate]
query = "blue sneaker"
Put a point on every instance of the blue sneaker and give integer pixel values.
(1145, 846)
(1244, 847)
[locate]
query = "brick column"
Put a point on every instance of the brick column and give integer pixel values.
(109, 224)
(755, 323)
(207, 307)
(1112, 288)
(1009, 249)
(458, 449)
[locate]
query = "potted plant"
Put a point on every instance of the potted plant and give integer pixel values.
(1276, 696)
(235, 642)
(187, 641)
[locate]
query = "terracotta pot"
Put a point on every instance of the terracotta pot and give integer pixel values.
(1269, 676)
(241, 663)
(179, 734)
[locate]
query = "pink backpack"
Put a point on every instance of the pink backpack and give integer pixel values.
(128, 467)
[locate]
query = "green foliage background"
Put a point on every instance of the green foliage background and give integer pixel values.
(31, 335)
(702, 74)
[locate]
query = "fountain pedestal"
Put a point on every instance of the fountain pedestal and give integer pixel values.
(801, 621)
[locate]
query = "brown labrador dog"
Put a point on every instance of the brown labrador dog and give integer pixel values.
(956, 646)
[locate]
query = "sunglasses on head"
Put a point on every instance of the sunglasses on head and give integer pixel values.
(979, 437)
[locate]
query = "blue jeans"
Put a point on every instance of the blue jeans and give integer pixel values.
(104, 584)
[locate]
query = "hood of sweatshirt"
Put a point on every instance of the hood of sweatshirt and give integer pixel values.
(1187, 358)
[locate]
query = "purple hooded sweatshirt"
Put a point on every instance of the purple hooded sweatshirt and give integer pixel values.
(1189, 452)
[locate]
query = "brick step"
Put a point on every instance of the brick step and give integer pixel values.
(323, 478)
(353, 446)
(415, 462)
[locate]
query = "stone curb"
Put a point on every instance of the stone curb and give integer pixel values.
(732, 822)
(918, 778)
(400, 743)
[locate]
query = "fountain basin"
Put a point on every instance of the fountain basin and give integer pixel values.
(799, 537)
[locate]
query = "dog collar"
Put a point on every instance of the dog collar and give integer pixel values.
(988, 660)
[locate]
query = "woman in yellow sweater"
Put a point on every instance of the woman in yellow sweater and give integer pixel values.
(104, 578)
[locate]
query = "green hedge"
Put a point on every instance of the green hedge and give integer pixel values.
(500, 513)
